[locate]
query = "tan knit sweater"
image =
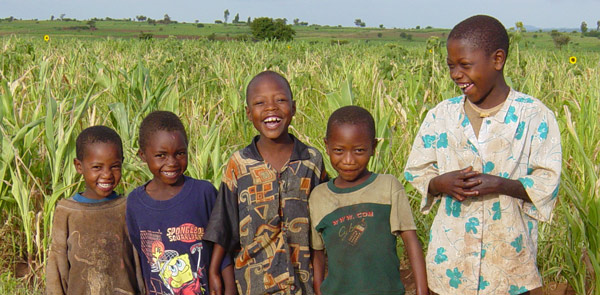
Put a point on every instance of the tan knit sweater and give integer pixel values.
(90, 252)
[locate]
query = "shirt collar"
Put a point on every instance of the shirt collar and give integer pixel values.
(300, 151)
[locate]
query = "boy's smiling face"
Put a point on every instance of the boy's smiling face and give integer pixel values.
(350, 148)
(101, 169)
(477, 74)
(270, 107)
(166, 156)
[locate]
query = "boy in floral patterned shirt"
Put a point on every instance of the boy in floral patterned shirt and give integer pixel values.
(492, 159)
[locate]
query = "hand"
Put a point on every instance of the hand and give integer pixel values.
(488, 184)
(457, 184)
(214, 283)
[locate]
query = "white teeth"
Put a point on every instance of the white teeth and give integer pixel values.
(272, 120)
(104, 185)
(463, 86)
(169, 174)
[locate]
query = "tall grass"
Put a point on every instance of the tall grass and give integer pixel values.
(50, 91)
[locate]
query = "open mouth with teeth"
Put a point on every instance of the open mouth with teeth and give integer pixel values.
(272, 121)
(465, 86)
(105, 186)
(170, 174)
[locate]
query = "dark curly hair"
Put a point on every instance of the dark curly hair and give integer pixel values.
(157, 121)
(95, 134)
(482, 31)
(353, 115)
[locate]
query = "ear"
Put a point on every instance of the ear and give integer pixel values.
(78, 166)
(141, 154)
(499, 57)
(248, 113)
(326, 145)
(293, 107)
(375, 143)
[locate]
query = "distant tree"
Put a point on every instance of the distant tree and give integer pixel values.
(381, 26)
(52, 17)
(62, 16)
(141, 18)
(265, 28)
(218, 21)
(559, 39)
(248, 21)
(520, 27)
(225, 15)
(297, 21)
(91, 24)
(196, 21)
(167, 19)
(359, 23)
(418, 27)
(379, 35)
(236, 19)
(598, 25)
(584, 27)
(284, 20)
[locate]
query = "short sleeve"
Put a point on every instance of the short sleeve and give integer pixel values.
(422, 162)
(224, 219)
(401, 218)
(545, 163)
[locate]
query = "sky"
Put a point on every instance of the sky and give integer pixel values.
(390, 13)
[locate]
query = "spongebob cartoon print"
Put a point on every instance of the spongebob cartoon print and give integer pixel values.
(175, 270)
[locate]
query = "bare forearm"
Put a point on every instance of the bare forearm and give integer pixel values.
(318, 258)
(515, 189)
(417, 261)
(229, 280)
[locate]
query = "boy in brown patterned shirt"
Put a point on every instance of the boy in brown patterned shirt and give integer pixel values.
(261, 215)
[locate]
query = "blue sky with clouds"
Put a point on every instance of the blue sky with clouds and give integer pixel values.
(400, 13)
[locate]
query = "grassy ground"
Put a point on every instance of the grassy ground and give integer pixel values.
(132, 29)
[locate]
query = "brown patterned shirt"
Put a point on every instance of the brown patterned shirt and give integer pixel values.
(262, 217)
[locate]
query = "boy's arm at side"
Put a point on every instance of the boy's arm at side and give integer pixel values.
(417, 261)
(318, 261)
(57, 267)
(214, 271)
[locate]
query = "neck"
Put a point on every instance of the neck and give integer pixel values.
(277, 143)
(495, 97)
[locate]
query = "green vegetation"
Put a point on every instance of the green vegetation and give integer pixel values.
(49, 91)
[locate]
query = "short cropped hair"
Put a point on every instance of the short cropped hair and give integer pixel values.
(482, 31)
(268, 74)
(159, 121)
(353, 115)
(96, 134)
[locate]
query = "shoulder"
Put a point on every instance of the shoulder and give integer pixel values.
(450, 106)
(528, 100)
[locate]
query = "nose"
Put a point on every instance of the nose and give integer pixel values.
(171, 161)
(271, 104)
(106, 173)
(348, 159)
(455, 73)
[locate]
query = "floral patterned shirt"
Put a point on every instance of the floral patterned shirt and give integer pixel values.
(487, 244)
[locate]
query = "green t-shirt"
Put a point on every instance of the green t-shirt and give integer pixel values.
(358, 226)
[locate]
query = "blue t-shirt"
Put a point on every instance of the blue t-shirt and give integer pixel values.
(168, 236)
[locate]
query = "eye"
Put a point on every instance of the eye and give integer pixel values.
(180, 264)
(174, 270)
(96, 167)
(159, 155)
(116, 167)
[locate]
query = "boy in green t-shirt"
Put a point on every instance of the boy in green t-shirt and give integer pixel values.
(357, 216)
